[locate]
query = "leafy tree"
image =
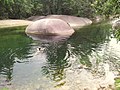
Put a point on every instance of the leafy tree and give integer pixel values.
(26, 8)
(107, 7)
(84, 8)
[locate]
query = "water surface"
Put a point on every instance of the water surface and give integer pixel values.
(89, 59)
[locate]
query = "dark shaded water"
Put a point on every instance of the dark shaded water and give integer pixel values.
(91, 55)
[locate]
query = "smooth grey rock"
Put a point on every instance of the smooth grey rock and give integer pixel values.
(50, 27)
(73, 21)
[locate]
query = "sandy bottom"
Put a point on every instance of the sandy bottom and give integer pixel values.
(13, 23)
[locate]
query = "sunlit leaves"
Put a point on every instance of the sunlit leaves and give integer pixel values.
(117, 34)
(84, 8)
(117, 83)
(26, 8)
(107, 7)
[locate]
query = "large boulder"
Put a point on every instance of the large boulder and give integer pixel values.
(73, 21)
(50, 27)
(34, 18)
(116, 24)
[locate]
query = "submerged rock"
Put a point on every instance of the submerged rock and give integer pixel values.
(50, 27)
(83, 79)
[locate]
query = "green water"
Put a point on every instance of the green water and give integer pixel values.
(75, 63)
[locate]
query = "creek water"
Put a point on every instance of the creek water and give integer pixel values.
(88, 60)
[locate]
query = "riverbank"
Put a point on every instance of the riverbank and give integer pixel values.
(13, 23)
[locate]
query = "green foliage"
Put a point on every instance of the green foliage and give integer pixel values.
(117, 34)
(14, 8)
(4, 89)
(84, 8)
(107, 7)
(26, 8)
(117, 84)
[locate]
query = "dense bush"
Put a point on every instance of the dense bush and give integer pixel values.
(85, 8)
(107, 7)
(26, 8)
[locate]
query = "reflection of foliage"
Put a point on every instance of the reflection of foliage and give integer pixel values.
(84, 60)
(117, 84)
(13, 45)
(4, 89)
(57, 61)
(117, 34)
(87, 40)
(83, 43)
(6, 63)
(107, 7)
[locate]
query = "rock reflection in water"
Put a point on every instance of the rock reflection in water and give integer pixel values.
(48, 38)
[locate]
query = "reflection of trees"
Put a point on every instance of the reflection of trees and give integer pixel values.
(12, 45)
(83, 43)
(6, 63)
(87, 40)
(57, 56)
(117, 34)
